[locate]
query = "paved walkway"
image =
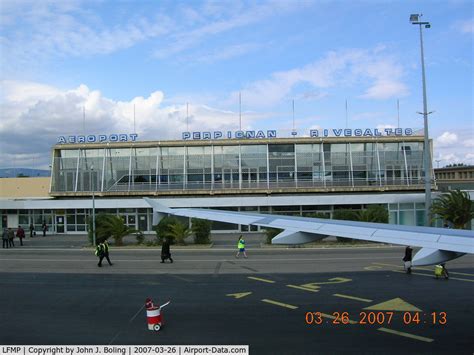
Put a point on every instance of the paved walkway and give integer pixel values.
(220, 240)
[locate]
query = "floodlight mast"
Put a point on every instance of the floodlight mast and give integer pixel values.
(414, 19)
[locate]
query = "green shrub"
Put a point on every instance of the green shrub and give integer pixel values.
(140, 237)
(272, 233)
(202, 230)
(164, 228)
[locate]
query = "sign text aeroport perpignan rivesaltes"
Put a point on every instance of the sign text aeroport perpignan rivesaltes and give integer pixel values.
(313, 133)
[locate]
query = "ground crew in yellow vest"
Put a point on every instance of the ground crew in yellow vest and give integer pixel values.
(241, 247)
(102, 251)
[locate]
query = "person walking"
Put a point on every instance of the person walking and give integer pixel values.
(440, 270)
(102, 251)
(407, 259)
(45, 228)
(20, 234)
(5, 238)
(32, 230)
(241, 247)
(165, 251)
(11, 236)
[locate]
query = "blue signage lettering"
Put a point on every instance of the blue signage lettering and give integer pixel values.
(314, 133)
(91, 138)
(61, 140)
(367, 133)
(81, 139)
(271, 134)
(133, 137)
(113, 138)
(102, 138)
(250, 134)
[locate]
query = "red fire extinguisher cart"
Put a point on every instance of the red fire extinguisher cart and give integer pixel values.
(154, 314)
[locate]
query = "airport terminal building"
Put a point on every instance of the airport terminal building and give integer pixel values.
(239, 171)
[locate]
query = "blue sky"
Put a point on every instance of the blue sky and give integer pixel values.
(58, 57)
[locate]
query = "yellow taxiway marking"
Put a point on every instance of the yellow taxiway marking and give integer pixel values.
(425, 268)
(259, 279)
(303, 288)
(352, 297)
(279, 304)
(396, 304)
(372, 268)
(408, 335)
(334, 280)
(417, 273)
(330, 316)
(239, 295)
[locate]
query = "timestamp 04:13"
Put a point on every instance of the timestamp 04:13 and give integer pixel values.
(376, 318)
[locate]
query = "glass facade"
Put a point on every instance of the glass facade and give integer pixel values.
(238, 166)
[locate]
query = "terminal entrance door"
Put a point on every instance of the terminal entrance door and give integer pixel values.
(60, 224)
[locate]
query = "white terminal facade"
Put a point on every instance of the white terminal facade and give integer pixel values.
(297, 176)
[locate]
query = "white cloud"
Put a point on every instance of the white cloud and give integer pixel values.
(466, 26)
(381, 127)
(380, 74)
(32, 123)
(225, 53)
(446, 139)
(469, 143)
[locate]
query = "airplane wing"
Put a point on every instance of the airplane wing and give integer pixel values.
(437, 244)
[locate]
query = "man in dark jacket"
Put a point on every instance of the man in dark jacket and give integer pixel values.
(20, 233)
(11, 236)
(407, 259)
(102, 251)
(5, 238)
(165, 251)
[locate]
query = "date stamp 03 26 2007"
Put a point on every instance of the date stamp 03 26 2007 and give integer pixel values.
(376, 318)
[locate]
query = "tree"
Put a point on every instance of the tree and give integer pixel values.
(115, 227)
(178, 232)
(108, 225)
(202, 230)
(454, 207)
(163, 229)
(373, 213)
(271, 233)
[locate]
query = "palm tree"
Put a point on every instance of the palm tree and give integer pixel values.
(178, 232)
(454, 207)
(114, 226)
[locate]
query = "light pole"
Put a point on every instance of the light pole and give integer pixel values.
(93, 206)
(414, 19)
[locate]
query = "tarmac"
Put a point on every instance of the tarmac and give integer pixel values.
(278, 301)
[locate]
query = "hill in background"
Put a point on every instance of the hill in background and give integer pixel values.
(23, 172)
